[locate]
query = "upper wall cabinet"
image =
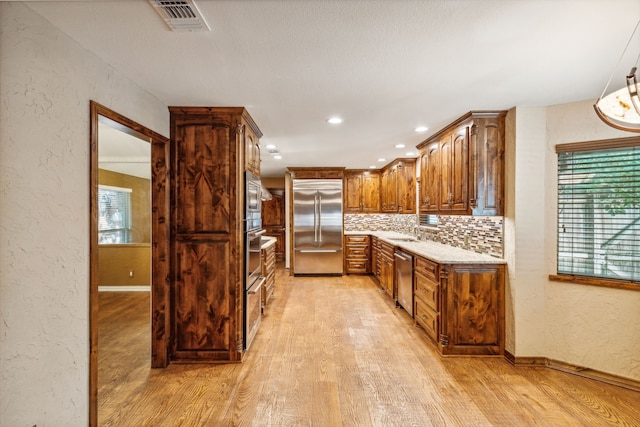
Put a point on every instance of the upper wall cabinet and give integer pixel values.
(250, 135)
(316, 173)
(398, 187)
(462, 167)
(361, 191)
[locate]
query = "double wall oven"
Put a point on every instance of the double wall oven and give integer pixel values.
(253, 280)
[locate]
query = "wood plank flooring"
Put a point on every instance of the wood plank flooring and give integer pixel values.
(335, 352)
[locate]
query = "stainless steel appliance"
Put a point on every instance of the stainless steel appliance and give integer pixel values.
(404, 280)
(317, 226)
(253, 261)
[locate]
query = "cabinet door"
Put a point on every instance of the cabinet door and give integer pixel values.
(203, 190)
(459, 199)
(446, 167)
(273, 220)
(487, 166)
(371, 192)
(352, 192)
(472, 316)
(430, 178)
(204, 306)
(251, 151)
(406, 177)
(391, 189)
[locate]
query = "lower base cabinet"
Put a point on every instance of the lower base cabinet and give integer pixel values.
(269, 272)
(461, 306)
(472, 307)
(357, 254)
(387, 275)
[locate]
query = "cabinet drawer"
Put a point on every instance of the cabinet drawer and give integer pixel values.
(427, 268)
(357, 266)
(426, 318)
(357, 252)
(426, 290)
(357, 239)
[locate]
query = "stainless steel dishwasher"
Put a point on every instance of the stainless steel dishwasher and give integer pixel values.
(404, 280)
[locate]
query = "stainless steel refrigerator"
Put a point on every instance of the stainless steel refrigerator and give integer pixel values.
(317, 226)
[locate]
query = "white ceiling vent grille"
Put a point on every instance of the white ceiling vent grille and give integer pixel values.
(181, 15)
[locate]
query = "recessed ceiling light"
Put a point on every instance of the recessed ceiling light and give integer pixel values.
(410, 153)
(421, 129)
(271, 146)
(399, 145)
(382, 160)
(334, 120)
(277, 157)
(372, 167)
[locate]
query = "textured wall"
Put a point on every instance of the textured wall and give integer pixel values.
(588, 326)
(526, 232)
(47, 81)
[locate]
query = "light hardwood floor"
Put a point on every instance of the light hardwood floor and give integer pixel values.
(336, 352)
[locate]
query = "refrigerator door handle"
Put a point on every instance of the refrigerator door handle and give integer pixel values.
(320, 218)
(315, 217)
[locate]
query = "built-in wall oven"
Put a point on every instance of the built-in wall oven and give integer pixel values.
(253, 280)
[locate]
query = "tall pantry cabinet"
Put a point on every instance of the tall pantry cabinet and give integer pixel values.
(207, 207)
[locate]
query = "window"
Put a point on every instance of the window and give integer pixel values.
(114, 215)
(428, 220)
(599, 210)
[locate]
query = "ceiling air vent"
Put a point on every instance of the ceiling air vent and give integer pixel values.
(180, 15)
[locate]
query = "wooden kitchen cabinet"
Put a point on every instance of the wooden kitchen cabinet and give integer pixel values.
(375, 258)
(361, 191)
(398, 187)
(460, 306)
(472, 309)
(462, 167)
(273, 220)
(357, 254)
(429, 178)
(250, 135)
(316, 173)
(454, 172)
(206, 303)
(387, 272)
(426, 296)
(268, 253)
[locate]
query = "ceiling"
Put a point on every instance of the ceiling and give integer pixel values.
(385, 67)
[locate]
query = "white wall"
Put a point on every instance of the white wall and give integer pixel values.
(525, 231)
(587, 326)
(46, 83)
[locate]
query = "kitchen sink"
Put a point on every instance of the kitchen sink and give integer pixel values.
(403, 239)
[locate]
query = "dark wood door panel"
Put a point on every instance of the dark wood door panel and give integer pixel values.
(203, 179)
(203, 305)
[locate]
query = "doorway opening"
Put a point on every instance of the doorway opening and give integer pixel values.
(129, 227)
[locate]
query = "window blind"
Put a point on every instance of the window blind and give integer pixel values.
(599, 213)
(114, 214)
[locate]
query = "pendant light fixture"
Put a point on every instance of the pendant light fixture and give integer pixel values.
(621, 109)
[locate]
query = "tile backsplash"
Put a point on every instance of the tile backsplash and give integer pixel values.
(482, 234)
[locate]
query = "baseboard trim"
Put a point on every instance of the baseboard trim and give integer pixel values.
(140, 288)
(593, 374)
(540, 362)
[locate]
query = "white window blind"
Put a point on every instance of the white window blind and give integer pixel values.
(599, 213)
(428, 220)
(114, 214)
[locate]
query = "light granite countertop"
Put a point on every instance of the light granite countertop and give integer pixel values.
(438, 252)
